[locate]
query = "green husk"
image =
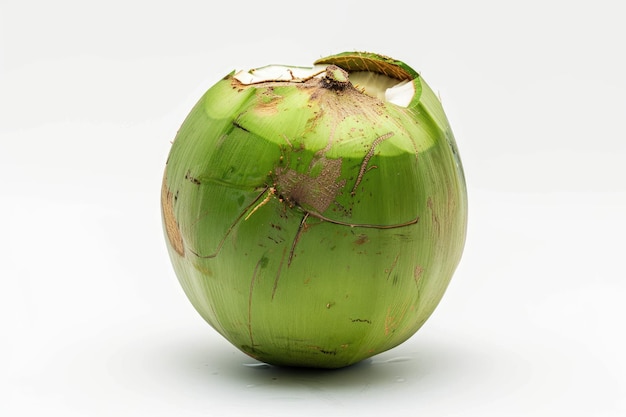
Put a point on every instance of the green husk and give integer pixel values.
(311, 223)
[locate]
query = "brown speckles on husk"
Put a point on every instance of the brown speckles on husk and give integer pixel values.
(268, 102)
(362, 239)
(345, 102)
(307, 191)
(171, 225)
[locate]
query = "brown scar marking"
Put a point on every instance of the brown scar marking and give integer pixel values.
(191, 178)
(393, 266)
(271, 192)
(317, 192)
(254, 277)
(435, 219)
(389, 322)
(288, 141)
(367, 158)
(268, 104)
(365, 225)
(361, 239)
(171, 225)
(392, 322)
(301, 229)
(417, 274)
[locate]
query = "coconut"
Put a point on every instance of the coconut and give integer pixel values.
(315, 216)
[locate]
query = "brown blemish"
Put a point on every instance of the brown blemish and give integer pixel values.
(390, 323)
(301, 229)
(417, 274)
(304, 190)
(434, 218)
(271, 192)
(268, 102)
(367, 158)
(171, 225)
(191, 178)
(363, 238)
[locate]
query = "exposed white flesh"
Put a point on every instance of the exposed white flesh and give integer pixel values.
(380, 86)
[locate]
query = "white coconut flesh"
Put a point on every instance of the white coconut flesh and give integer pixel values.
(398, 92)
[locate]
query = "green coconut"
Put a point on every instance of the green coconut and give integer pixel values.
(315, 216)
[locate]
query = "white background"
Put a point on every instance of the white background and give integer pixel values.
(92, 319)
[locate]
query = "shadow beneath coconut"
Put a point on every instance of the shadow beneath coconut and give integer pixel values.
(388, 371)
(422, 369)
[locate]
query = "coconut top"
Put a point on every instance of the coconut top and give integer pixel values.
(381, 86)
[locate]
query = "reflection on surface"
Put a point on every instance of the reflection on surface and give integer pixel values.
(431, 371)
(393, 374)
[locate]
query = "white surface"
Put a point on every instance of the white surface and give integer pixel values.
(93, 321)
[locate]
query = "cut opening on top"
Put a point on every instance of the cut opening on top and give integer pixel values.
(381, 86)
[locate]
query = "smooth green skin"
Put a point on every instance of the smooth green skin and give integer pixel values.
(292, 278)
